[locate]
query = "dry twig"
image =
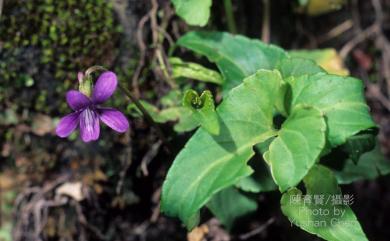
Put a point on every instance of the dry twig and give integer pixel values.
(257, 230)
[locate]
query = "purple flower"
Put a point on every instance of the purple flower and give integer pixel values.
(88, 112)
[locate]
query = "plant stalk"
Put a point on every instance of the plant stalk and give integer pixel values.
(145, 113)
(231, 22)
(265, 31)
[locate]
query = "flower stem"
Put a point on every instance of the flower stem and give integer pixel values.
(145, 113)
(231, 22)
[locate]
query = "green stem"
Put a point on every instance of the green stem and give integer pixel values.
(164, 69)
(231, 22)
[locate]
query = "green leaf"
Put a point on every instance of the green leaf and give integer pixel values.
(186, 122)
(236, 56)
(358, 144)
(318, 7)
(203, 109)
(194, 71)
(303, 2)
(194, 12)
(229, 204)
(208, 163)
(183, 116)
(370, 166)
(6, 232)
(295, 67)
(172, 99)
(341, 99)
(329, 220)
(159, 116)
(261, 179)
(297, 146)
(328, 59)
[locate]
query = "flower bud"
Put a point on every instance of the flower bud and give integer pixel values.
(85, 84)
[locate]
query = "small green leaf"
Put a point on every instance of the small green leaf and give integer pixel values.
(209, 163)
(183, 116)
(229, 204)
(297, 146)
(318, 7)
(194, 12)
(186, 122)
(370, 166)
(6, 231)
(172, 99)
(236, 56)
(358, 144)
(327, 219)
(303, 2)
(261, 179)
(341, 99)
(159, 116)
(194, 71)
(203, 109)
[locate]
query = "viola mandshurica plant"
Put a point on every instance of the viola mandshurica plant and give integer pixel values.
(279, 124)
(88, 110)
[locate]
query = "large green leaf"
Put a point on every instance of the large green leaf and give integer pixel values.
(295, 67)
(236, 56)
(229, 204)
(209, 163)
(297, 147)
(341, 99)
(194, 12)
(328, 218)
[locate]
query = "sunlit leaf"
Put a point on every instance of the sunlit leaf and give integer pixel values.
(318, 7)
(328, 59)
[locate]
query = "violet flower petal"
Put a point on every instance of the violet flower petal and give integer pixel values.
(89, 125)
(114, 119)
(67, 124)
(77, 100)
(104, 87)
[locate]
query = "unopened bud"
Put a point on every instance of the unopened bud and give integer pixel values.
(85, 84)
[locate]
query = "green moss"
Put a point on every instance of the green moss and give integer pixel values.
(49, 42)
